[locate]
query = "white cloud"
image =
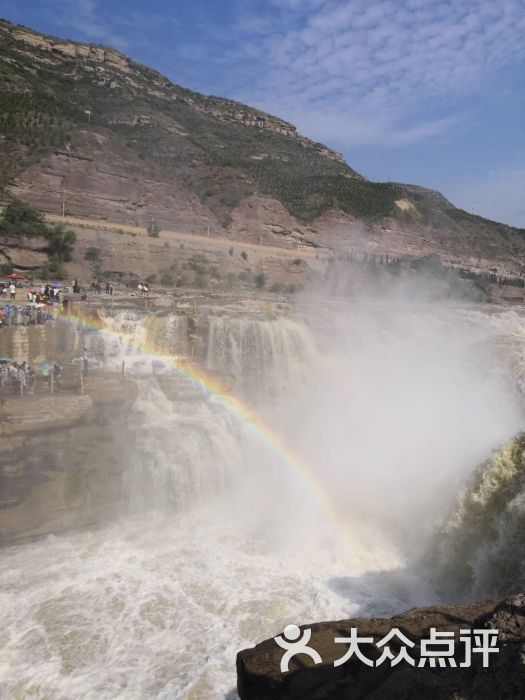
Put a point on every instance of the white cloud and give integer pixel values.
(83, 16)
(95, 22)
(497, 195)
(386, 63)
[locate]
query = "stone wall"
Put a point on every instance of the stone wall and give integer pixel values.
(52, 342)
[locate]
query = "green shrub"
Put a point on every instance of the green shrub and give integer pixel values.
(260, 280)
(244, 276)
(20, 219)
(61, 242)
(201, 280)
(18, 213)
(167, 279)
(244, 255)
(92, 254)
(53, 269)
(153, 229)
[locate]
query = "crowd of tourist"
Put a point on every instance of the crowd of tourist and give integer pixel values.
(24, 378)
(13, 315)
(96, 285)
(25, 304)
(42, 305)
(8, 290)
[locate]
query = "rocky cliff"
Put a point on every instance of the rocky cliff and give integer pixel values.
(86, 131)
(62, 457)
(259, 676)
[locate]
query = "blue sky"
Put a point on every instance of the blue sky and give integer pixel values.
(424, 91)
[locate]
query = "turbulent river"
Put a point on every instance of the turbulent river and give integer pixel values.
(223, 540)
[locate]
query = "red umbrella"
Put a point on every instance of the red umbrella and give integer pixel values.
(15, 276)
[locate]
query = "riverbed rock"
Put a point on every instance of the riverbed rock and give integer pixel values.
(62, 458)
(259, 676)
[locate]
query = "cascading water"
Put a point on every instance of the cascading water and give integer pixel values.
(479, 550)
(265, 357)
(168, 334)
(223, 544)
(129, 331)
(127, 335)
(182, 450)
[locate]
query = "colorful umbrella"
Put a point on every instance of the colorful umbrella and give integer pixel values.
(15, 276)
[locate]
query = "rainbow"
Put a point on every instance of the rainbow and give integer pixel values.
(212, 387)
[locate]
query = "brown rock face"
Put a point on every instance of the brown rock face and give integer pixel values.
(95, 177)
(95, 135)
(61, 457)
(259, 676)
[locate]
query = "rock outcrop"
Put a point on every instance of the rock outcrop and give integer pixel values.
(62, 458)
(259, 676)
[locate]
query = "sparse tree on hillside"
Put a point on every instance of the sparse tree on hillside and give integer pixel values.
(20, 219)
(153, 228)
(260, 280)
(92, 254)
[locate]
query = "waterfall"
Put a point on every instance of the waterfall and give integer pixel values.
(167, 334)
(265, 357)
(182, 450)
(224, 542)
(479, 549)
(129, 330)
(126, 335)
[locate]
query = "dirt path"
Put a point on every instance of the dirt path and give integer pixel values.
(261, 250)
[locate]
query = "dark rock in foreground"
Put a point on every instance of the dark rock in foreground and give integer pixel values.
(259, 676)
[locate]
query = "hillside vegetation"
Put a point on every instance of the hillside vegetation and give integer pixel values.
(19, 221)
(223, 151)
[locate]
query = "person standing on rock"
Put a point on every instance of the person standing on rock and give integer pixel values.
(56, 370)
(85, 360)
(31, 377)
(21, 377)
(44, 373)
(12, 290)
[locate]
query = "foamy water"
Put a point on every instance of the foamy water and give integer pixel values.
(224, 545)
(159, 607)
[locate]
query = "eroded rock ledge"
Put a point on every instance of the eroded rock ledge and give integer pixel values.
(259, 677)
(62, 458)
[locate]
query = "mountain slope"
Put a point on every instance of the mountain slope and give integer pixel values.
(85, 130)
